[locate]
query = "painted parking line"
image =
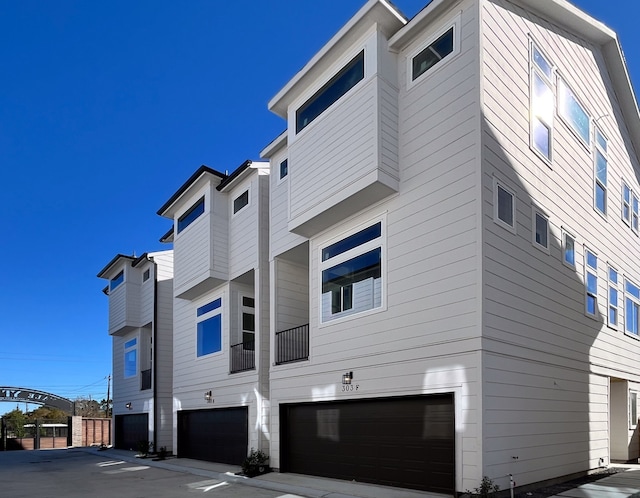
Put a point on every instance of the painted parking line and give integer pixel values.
(110, 463)
(128, 469)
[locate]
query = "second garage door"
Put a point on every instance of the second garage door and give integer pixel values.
(219, 435)
(404, 442)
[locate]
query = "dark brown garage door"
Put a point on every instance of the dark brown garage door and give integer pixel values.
(219, 435)
(404, 442)
(130, 430)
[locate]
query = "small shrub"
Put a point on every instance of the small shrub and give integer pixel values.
(145, 447)
(255, 463)
(486, 489)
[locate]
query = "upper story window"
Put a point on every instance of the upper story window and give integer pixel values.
(541, 103)
(568, 249)
(116, 281)
(131, 358)
(146, 275)
(352, 274)
(630, 207)
(335, 88)
(241, 201)
(209, 328)
(540, 230)
(600, 174)
(504, 211)
(573, 112)
(433, 53)
(612, 317)
(591, 280)
(631, 307)
(284, 169)
(248, 320)
(191, 215)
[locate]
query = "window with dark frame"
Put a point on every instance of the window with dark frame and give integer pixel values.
(241, 201)
(433, 54)
(191, 215)
(284, 169)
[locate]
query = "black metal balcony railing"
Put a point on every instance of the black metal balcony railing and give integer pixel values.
(243, 356)
(145, 382)
(292, 345)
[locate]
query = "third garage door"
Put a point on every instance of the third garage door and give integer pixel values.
(404, 442)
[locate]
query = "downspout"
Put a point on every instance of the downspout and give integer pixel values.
(154, 356)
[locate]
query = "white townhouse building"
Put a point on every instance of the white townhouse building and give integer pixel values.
(453, 241)
(221, 313)
(140, 292)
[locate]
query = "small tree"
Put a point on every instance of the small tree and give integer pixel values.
(15, 421)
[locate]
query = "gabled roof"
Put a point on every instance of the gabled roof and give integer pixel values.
(201, 171)
(117, 259)
(241, 172)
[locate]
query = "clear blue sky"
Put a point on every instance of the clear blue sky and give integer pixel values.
(106, 108)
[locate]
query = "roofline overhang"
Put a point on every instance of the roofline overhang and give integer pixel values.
(277, 143)
(383, 12)
(165, 210)
(113, 262)
(167, 238)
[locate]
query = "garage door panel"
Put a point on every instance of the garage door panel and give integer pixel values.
(218, 435)
(403, 442)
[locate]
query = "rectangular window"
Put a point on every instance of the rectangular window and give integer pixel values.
(352, 274)
(631, 307)
(248, 313)
(335, 88)
(573, 112)
(541, 230)
(600, 174)
(633, 409)
(635, 213)
(541, 103)
(284, 169)
(433, 53)
(626, 203)
(116, 281)
(209, 328)
(612, 318)
(131, 358)
(241, 201)
(504, 206)
(146, 275)
(191, 215)
(568, 249)
(591, 279)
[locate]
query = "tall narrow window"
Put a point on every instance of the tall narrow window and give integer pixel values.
(284, 169)
(626, 203)
(241, 201)
(612, 318)
(209, 328)
(568, 249)
(633, 409)
(635, 213)
(352, 274)
(131, 358)
(600, 182)
(541, 103)
(631, 307)
(540, 230)
(504, 206)
(248, 312)
(591, 280)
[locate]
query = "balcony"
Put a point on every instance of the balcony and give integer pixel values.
(292, 345)
(145, 380)
(243, 355)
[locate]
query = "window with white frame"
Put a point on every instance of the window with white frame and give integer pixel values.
(131, 358)
(504, 211)
(612, 316)
(568, 249)
(352, 273)
(600, 173)
(591, 280)
(241, 201)
(209, 328)
(283, 169)
(635, 213)
(542, 102)
(633, 409)
(573, 112)
(631, 307)
(626, 203)
(540, 230)
(437, 49)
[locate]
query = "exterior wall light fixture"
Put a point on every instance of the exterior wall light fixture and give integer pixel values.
(208, 396)
(128, 406)
(347, 378)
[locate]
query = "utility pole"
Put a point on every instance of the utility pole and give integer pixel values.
(108, 393)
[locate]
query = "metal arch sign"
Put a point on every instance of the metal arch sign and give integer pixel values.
(23, 395)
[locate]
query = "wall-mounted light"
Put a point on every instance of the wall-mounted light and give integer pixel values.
(347, 378)
(128, 406)
(208, 396)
